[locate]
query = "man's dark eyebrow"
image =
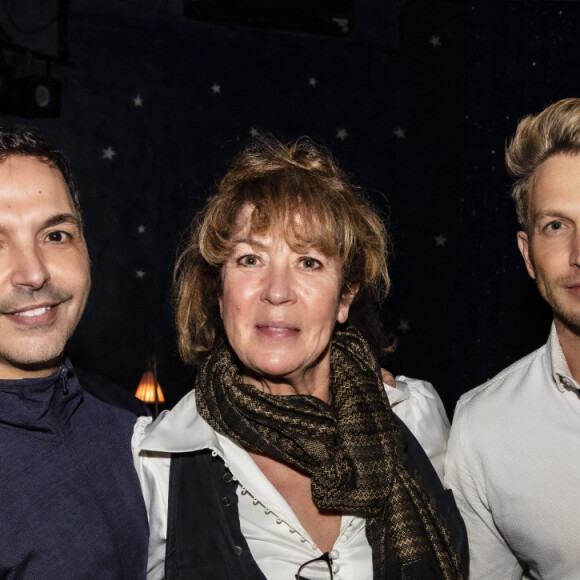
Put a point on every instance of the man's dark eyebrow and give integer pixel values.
(56, 220)
(62, 218)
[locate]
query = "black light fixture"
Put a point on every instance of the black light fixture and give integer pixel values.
(26, 91)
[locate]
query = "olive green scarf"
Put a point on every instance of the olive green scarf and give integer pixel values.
(352, 450)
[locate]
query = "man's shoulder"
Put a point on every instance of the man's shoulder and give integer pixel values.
(109, 392)
(492, 414)
(499, 395)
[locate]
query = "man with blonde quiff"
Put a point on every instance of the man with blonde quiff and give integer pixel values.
(513, 460)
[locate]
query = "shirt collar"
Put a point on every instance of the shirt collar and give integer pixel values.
(180, 430)
(557, 361)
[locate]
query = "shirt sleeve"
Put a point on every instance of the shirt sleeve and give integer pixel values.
(489, 554)
(418, 405)
(153, 471)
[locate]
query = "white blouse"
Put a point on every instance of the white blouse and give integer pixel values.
(277, 540)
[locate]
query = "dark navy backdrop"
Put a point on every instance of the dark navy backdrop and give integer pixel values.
(416, 103)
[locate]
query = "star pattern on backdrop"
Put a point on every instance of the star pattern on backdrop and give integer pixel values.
(404, 325)
(376, 97)
(435, 41)
(109, 153)
(342, 23)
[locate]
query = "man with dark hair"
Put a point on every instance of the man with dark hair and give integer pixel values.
(70, 502)
(513, 460)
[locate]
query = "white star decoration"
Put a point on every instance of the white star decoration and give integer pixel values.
(140, 274)
(312, 81)
(109, 153)
(399, 133)
(254, 132)
(141, 229)
(138, 101)
(216, 88)
(342, 23)
(341, 134)
(404, 325)
(435, 41)
(440, 240)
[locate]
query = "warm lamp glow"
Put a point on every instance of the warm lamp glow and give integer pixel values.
(146, 389)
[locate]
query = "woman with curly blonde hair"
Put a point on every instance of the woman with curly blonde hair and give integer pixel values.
(287, 460)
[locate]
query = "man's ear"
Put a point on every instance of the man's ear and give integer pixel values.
(524, 246)
(345, 302)
(220, 302)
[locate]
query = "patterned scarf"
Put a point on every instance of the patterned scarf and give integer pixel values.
(352, 450)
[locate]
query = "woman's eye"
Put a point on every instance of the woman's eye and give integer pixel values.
(58, 237)
(311, 263)
(248, 260)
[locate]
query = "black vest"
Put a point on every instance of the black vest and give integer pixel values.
(204, 540)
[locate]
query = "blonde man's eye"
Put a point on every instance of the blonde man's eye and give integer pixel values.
(555, 226)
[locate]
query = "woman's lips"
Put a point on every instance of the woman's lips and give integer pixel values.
(277, 329)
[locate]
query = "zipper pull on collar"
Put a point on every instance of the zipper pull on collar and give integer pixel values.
(64, 378)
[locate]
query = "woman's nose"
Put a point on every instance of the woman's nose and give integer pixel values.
(28, 269)
(278, 285)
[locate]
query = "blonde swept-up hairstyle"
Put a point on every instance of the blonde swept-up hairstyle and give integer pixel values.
(297, 190)
(555, 130)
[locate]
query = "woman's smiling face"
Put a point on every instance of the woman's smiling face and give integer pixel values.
(279, 306)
